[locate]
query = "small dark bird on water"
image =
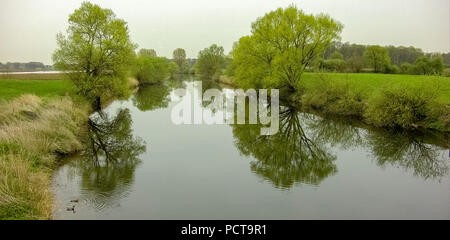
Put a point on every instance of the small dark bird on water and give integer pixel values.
(71, 209)
(74, 201)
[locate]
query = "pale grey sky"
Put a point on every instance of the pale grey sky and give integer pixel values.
(28, 27)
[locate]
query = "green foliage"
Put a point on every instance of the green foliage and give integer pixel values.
(346, 49)
(147, 52)
(210, 62)
(151, 70)
(179, 57)
(402, 54)
(334, 97)
(282, 45)
(355, 64)
(337, 55)
(378, 58)
(407, 68)
(333, 65)
(230, 66)
(403, 101)
(446, 72)
(391, 69)
(96, 53)
(429, 66)
(402, 107)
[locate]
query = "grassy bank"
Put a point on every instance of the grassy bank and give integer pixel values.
(394, 101)
(41, 121)
(34, 133)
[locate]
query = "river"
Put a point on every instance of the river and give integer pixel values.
(142, 166)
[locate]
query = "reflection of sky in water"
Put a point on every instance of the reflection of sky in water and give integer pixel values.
(231, 172)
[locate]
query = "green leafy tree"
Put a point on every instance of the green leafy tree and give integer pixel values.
(355, 64)
(402, 54)
(429, 66)
(337, 55)
(282, 45)
(378, 58)
(332, 65)
(210, 62)
(151, 70)
(407, 68)
(96, 53)
(147, 52)
(179, 57)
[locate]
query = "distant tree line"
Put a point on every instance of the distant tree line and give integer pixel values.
(29, 66)
(346, 57)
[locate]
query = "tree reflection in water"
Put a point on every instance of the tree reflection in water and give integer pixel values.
(407, 150)
(298, 152)
(109, 163)
(288, 157)
(152, 97)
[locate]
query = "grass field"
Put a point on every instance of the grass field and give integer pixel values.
(368, 84)
(12, 88)
(34, 76)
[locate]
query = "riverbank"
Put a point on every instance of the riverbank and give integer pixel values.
(41, 121)
(396, 102)
(34, 134)
(382, 100)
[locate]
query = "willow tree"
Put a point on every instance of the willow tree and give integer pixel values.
(210, 62)
(179, 57)
(96, 53)
(378, 58)
(281, 47)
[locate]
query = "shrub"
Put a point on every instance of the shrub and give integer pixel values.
(391, 69)
(334, 97)
(429, 66)
(446, 72)
(333, 65)
(407, 68)
(355, 64)
(402, 107)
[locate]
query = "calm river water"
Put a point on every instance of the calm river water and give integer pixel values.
(142, 166)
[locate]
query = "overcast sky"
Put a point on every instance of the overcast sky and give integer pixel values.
(28, 27)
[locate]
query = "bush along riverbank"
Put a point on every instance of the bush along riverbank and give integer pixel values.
(34, 134)
(400, 106)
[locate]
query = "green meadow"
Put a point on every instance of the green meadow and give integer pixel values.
(369, 84)
(12, 88)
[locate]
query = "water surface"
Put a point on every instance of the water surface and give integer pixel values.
(142, 166)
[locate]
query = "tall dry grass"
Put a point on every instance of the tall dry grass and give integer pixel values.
(33, 133)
